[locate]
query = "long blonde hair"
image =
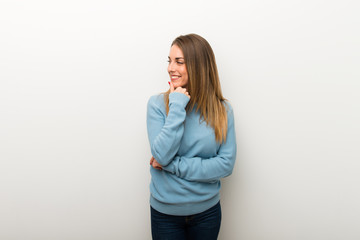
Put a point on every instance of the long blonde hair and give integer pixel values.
(203, 84)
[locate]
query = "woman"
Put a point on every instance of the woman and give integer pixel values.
(192, 139)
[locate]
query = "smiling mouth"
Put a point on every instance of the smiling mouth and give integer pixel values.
(175, 77)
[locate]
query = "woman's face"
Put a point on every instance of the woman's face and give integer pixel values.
(177, 67)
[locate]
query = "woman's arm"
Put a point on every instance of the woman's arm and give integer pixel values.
(208, 169)
(165, 132)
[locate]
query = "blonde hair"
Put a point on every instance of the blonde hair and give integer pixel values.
(203, 84)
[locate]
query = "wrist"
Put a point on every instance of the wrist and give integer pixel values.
(178, 98)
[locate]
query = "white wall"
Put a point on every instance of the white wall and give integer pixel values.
(75, 77)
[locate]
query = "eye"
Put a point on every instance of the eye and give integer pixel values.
(180, 63)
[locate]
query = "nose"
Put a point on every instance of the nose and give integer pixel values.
(171, 67)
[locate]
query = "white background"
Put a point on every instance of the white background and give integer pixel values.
(75, 77)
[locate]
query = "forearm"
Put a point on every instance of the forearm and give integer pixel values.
(165, 132)
(166, 143)
(208, 169)
(201, 169)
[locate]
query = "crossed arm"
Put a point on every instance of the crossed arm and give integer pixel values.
(165, 136)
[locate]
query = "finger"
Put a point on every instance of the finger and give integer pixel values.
(180, 90)
(157, 166)
(156, 163)
(172, 89)
(152, 160)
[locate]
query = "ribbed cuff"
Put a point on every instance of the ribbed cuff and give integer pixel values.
(178, 98)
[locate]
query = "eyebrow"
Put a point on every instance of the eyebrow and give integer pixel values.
(177, 58)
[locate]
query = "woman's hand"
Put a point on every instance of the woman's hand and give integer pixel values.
(178, 89)
(155, 164)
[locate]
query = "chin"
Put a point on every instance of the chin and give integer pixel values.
(176, 85)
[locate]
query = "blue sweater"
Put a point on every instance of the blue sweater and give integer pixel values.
(193, 162)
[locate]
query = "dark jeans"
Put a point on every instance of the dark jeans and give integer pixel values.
(205, 225)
